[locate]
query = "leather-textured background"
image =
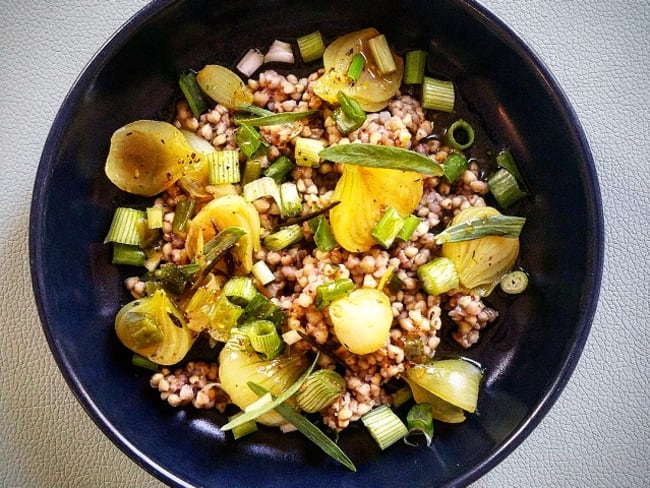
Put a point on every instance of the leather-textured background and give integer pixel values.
(596, 435)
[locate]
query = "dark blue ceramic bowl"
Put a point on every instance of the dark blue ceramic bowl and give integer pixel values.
(529, 355)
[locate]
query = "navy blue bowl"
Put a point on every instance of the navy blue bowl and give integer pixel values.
(529, 355)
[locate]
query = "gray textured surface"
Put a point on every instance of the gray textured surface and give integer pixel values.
(596, 435)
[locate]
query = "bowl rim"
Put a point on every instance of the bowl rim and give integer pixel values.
(595, 266)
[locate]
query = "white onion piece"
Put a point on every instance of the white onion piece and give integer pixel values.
(251, 61)
(279, 52)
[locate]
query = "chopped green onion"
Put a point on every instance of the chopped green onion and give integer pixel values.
(272, 405)
(307, 151)
(255, 110)
(322, 233)
(349, 116)
(154, 217)
(250, 141)
(332, 290)
(420, 420)
(284, 237)
(261, 308)
(386, 229)
(243, 429)
(290, 200)
(454, 165)
(216, 248)
(144, 363)
(174, 278)
(240, 290)
(262, 273)
(264, 338)
(311, 46)
(382, 54)
(438, 94)
(319, 390)
(494, 225)
(409, 225)
(460, 135)
(309, 430)
(506, 160)
(223, 167)
(280, 168)
(514, 282)
(275, 119)
(504, 188)
(401, 396)
(126, 226)
(182, 215)
(384, 426)
(414, 66)
(356, 67)
(192, 92)
(376, 156)
(252, 170)
(262, 187)
(438, 276)
(128, 255)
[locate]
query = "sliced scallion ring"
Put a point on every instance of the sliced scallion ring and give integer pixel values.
(514, 282)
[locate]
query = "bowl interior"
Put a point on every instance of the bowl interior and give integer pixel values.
(528, 355)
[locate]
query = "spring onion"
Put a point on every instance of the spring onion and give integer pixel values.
(279, 52)
(438, 276)
(493, 225)
(307, 151)
(183, 213)
(319, 390)
(382, 54)
(438, 94)
(332, 290)
(414, 66)
(250, 62)
(240, 290)
(460, 135)
(216, 248)
(309, 430)
(273, 404)
(279, 168)
(254, 110)
(514, 282)
(409, 225)
(384, 426)
(223, 167)
(262, 187)
(173, 278)
(506, 160)
(264, 338)
(261, 308)
(126, 226)
(154, 217)
(192, 93)
(322, 233)
(387, 227)
(144, 363)
(243, 429)
(504, 188)
(420, 420)
(276, 119)
(355, 69)
(349, 116)
(250, 141)
(311, 46)
(284, 237)
(128, 255)
(454, 165)
(252, 170)
(290, 200)
(376, 156)
(262, 273)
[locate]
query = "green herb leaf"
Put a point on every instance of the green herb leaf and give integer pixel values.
(495, 225)
(275, 119)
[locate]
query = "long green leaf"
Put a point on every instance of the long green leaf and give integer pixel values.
(376, 156)
(309, 430)
(495, 225)
(275, 119)
(286, 394)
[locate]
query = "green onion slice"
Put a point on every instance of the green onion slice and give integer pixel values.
(454, 165)
(311, 46)
(154, 217)
(243, 429)
(286, 394)
(309, 430)
(505, 188)
(349, 116)
(275, 119)
(494, 225)
(322, 232)
(217, 247)
(240, 290)
(284, 237)
(307, 151)
(320, 389)
(438, 276)
(438, 94)
(376, 156)
(261, 308)
(333, 290)
(420, 420)
(264, 338)
(290, 200)
(460, 135)
(193, 94)
(514, 282)
(128, 255)
(382, 54)
(262, 273)
(414, 66)
(409, 225)
(387, 227)
(250, 141)
(506, 160)
(356, 67)
(144, 363)
(182, 215)
(384, 426)
(126, 226)
(280, 168)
